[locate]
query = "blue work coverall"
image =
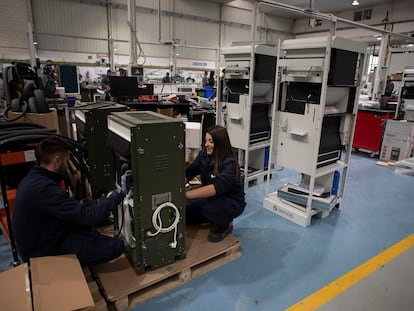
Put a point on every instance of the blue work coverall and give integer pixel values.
(47, 222)
(227, 204)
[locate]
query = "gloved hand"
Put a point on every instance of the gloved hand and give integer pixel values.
(116, 197)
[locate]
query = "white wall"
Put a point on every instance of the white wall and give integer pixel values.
(399, 61)
(76, 31)
(13, 30)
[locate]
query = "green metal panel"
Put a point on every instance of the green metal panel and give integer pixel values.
(158, 173)
(100, 157)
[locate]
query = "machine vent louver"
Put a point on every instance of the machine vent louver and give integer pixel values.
(161, 162)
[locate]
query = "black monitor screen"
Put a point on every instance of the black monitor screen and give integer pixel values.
(146, 89)
(124, 88)
(69, 78)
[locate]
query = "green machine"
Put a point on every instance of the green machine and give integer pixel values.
(92, 130)
(150, 157)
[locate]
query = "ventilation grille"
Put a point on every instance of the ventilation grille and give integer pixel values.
(161, 162)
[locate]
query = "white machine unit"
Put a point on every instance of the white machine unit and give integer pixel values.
(314, 123)
(246, 104)
(398, 140)
(405, 107)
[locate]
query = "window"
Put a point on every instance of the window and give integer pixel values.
(373, 62)
(366, 14)
(362, 15)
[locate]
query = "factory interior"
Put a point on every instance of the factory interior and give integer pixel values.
(115, 193)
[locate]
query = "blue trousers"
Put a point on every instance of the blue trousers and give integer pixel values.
(217, 210)
(90, 246)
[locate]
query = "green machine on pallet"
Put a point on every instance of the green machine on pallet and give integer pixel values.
(92, 130)
(150, 157)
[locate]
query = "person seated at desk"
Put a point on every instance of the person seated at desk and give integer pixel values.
(220, 198)
(48, 84)
(204, 80)
(166, 78)
(47, 222)
(106, 85)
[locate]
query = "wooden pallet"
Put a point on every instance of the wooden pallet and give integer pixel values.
(124, 289)
(98, 299)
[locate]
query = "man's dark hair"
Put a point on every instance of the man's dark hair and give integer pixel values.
(49, 147)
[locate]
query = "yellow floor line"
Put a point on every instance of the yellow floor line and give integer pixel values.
(341, 284)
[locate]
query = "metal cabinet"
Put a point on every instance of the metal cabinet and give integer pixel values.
(314, 117)
(92, 130)
(246, 103)
(149, 158)
(369, 128)
(405, 106)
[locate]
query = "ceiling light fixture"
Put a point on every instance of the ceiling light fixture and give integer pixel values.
(355, 2)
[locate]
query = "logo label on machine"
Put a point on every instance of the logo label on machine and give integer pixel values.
(283, 212)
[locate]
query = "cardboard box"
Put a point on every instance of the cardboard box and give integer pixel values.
(15, 289)
(56, 283)
(398, 140)
(169, 112)
(396, 76)
(48, 120)
(193, 140)
(193, 135)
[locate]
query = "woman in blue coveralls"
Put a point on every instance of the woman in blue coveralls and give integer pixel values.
(220, 199)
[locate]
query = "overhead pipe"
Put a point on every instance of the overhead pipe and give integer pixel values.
(382, 59)
(133, 29)
(312, 5)
(173, 50)
(311, 13)
(32, 48)
(159, 21)
(110, 39)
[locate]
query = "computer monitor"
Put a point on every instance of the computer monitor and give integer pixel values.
(124, 88)
(68, 75)
(146, 89)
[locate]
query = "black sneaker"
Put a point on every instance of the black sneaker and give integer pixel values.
(215, 237)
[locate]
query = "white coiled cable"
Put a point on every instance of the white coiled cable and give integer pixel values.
(157, 222)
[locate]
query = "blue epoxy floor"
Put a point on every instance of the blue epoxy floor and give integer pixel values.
(281, 262)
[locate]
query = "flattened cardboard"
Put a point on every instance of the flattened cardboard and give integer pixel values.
(15, 289)
(58, 283)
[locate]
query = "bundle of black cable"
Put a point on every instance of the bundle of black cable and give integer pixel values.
(32, 100)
